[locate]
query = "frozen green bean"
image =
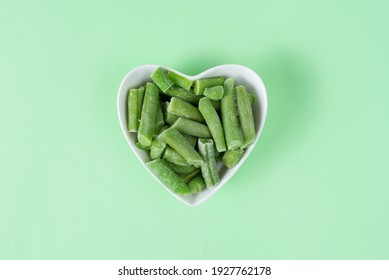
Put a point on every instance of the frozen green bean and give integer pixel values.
(187, 177)
(208, 169)
(159, 120)
(213, 121)
(187, 96)
(157, 148)
(181, 169)
(251, 98)
(197, 184)
(179, 80)
(149, 112)
(192, 139)
(232, 157)
(161, 79)
(220, 156)
(245, 114)
(140, 146)
(229, 116)
(214, 93)
(170, 179)
(169, 117)
(190, 127)
(134, 108)
(216, 104)
(173, 156)
(184, 109)
(201, 84)
(179, 143)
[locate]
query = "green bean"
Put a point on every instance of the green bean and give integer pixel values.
(157, 148)
(197, 184)
(220, 155)
(201, 84)
(229, 116)
(179, 143)
(180, 80)
(180, 168)
(161, 79)
(134, 108)
(214, 93)
(232, 157)
(169, 117)
(213, 121)
(190, 127)
(187, 177)
(149, 111)
(251, 98)
(159, 120)
(216, 104)
(191, 139)
(187, 96)
(170, 179)
(246, 118)
(208, 169)
(164, 128)
(184, 109)
(173, 156)
(140, 146)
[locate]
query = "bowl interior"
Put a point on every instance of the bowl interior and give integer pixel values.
(242, 75)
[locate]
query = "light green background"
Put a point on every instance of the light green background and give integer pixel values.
(315, 187)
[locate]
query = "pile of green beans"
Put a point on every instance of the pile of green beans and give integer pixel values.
(188, 126)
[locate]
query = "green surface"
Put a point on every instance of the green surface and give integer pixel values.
(315, 187)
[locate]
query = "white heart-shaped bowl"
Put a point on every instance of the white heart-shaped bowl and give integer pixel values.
(242, 75)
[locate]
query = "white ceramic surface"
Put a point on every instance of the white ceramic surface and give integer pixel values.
(242, 75)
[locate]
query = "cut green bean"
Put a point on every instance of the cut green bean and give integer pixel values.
(173, 156)
(232, 157)
(213, 121)
(159, 120)
(190, 127)
(134, 108)
(187, 96)
(161, 79)
(251, 98)
(214, 93)
(201, 84)
(217, 153)
(191, 139)
(140, 146)
(169, 117)
(229, 116)
(157, 148)
(246, 118)
(180, 168)
(180, 80)
(149, 112)
(184, 109)
(197, 184)
(179, 143)
(220, 155)
(164, 128)
(170, 179)
(187, 177)
(216, 104)
(208, 169)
